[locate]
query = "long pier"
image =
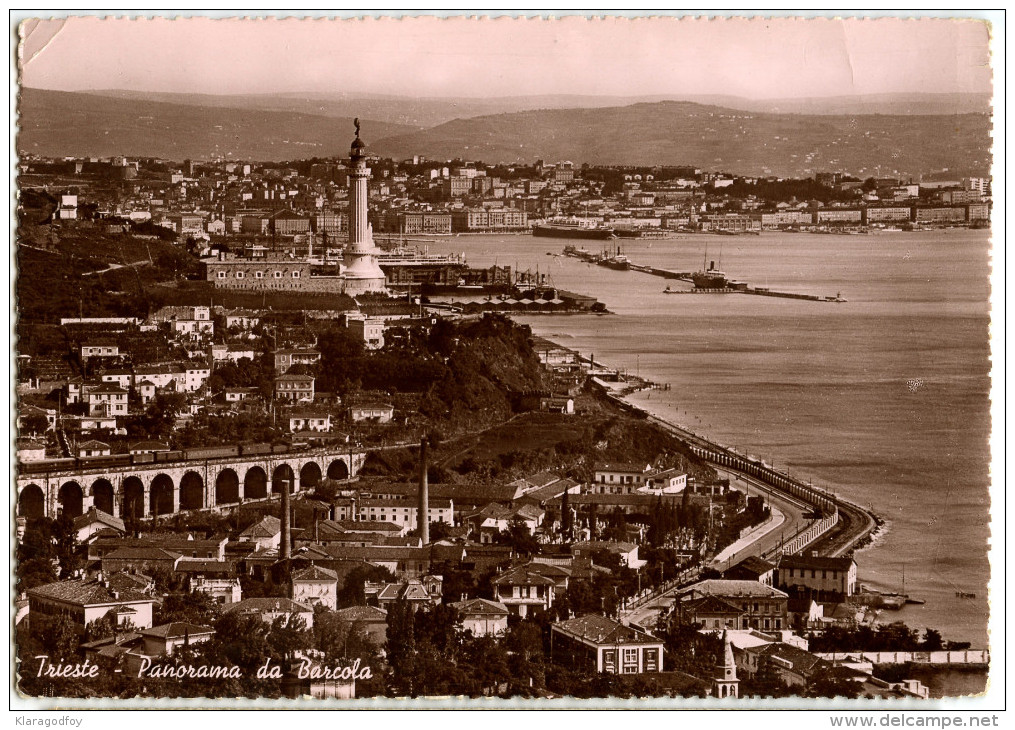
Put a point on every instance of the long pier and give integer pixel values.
(584, 255)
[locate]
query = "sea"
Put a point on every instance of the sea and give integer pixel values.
(883, 398)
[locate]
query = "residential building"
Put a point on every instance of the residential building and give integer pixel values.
(372, 411)
(285, 359)
(483, 617)
(403, 513)
(754, 569)
(601, 644)
(163, 640)
(99, 349)
(294, 388)
(309, 420)
(620, 478)
(270, 609)
(265, 534)
(523, 590)
(315, 586)
(93, 521)
(85, 601)
(107, 400)
(762, 607)
(93, 448)
(371, 620)
(418, 593)
(826, 578)
(369, 330)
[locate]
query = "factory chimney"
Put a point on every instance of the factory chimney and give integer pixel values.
(285, 539)
(423, 509)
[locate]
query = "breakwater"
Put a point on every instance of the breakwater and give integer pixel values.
(618, 263)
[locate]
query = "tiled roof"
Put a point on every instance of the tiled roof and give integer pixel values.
(84, 593)
(754, 564)
(602, 630)
(627, 467)
(315, 573)
(800, 660)
(269, 526)
(480, 607)
(709, 604)
(268, 605)
(733, 589)
(121, 581)
(141, 553)
(523, 575)
(177, 630)
(814, 562)
(363, 613)
(94, 515)
(198, 565)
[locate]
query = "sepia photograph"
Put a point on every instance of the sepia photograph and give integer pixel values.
(535, 361)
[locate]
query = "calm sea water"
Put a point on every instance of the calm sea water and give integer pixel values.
(884, 398)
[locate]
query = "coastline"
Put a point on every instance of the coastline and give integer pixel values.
(632, 384)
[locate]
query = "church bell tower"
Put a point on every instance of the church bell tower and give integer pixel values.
(724, 674)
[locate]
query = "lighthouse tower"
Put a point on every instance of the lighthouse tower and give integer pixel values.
(362, 274)
(724, 674)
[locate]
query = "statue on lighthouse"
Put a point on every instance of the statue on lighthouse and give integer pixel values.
(361, 272)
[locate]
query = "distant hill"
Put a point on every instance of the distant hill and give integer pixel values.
(300, 126)
(429, 111)
(56, 123)
(712, 137)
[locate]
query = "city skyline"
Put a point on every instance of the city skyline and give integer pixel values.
(757, 58)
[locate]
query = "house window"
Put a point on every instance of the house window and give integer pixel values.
(258, 274)
(222, 275)
(239, 274)
(278, 274)
(630, 661)
(296, 275)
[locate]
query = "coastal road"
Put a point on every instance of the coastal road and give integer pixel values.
(764, 543)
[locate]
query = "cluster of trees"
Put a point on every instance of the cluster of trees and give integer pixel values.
(47, 552)
(885, 637)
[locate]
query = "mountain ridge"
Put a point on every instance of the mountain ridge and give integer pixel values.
(57, 124)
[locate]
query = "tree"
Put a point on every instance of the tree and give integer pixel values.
(196, 608)
(932, 640)
(519, 538)
(35, 424)
(830, 682)
(351, 593)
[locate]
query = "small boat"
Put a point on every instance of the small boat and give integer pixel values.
(963, 594)
(915, 601)
(667, 290)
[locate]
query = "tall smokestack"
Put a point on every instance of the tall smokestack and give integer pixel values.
(423, 512)
(285, 540)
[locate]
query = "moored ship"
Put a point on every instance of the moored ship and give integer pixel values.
(710, 278)
(573, 228)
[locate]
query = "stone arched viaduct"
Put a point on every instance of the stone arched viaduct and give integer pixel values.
(145, 490)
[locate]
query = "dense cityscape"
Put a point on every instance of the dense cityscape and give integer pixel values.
(271, 445)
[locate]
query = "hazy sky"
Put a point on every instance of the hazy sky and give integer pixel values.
(762, 58)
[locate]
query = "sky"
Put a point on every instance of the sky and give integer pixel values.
(760, 58)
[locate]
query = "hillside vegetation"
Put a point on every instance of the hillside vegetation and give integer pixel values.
(712, 137)
(57, 124)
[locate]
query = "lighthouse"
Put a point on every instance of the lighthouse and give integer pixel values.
(362, 273)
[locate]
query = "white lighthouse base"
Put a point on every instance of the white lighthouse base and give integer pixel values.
(356, 286)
